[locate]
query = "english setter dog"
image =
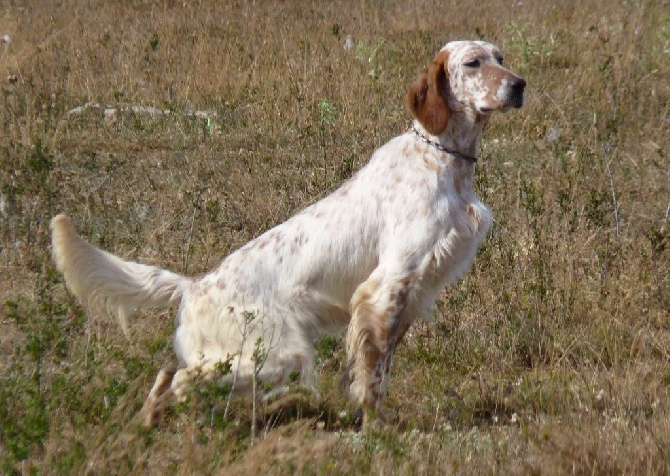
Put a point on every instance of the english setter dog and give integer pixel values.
(369, 258)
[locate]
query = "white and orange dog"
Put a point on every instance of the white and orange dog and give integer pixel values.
(369, 258)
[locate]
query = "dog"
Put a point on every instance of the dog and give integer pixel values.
(370, 258)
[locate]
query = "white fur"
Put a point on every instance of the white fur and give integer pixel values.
(370, 258)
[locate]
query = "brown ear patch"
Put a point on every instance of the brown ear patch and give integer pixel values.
(426, 97)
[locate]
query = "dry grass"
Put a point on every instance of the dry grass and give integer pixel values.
(552, 356)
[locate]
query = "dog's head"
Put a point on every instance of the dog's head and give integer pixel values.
(464, 76)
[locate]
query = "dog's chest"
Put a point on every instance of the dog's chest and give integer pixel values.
(466, 222)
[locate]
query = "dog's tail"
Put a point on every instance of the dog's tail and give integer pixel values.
(102, 280)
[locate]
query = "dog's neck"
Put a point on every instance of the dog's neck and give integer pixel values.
(461, 134)
(463, 130)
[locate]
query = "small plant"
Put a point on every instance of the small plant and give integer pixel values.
(368, 53)
(206, 395)
(40, 161)
(259, 357)
(327, 112)
(529, 47)
(326, 347)
(154, 42)
(24, 411)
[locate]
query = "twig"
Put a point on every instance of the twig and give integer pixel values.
(237, 370)
(253, 407)
(609, 173)
(667, 218)
(190, 239)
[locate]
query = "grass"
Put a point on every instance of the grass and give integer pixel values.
(551, 356)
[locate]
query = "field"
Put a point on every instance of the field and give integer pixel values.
(172, 132)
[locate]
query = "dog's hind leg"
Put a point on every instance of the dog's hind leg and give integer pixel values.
(151, 412)
(270, 373)
(169, 382)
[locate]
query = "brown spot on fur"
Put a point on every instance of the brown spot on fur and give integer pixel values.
(430, 163)
(402, 295)
(343, 190)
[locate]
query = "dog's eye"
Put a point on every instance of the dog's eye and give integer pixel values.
(472, 64)
(500, 60)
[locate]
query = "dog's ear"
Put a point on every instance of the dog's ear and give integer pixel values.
(426, 98)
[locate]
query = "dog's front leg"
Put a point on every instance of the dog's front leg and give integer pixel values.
(377, 308)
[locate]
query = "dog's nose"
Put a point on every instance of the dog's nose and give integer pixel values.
(518, 85)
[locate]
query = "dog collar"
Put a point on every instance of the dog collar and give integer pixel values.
(439, 146)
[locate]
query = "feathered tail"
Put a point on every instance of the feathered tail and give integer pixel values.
(102, 280)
